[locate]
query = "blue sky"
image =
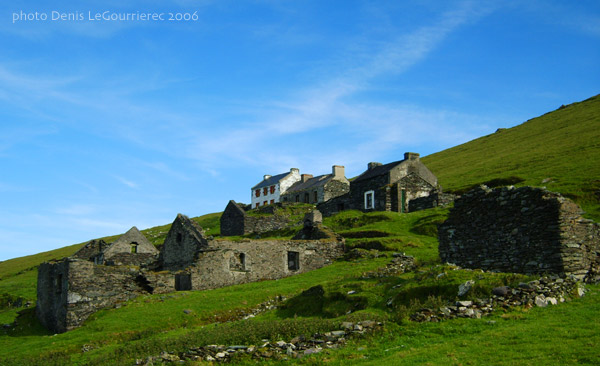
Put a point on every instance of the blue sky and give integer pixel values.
(107, 124)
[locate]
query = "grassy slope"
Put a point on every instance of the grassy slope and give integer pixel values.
(562, 145)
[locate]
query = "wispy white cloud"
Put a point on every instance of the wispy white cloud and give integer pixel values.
(127, 182)
(330, 104)
(76, 210)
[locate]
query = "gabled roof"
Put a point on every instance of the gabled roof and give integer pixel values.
(317, 181)
(377, 171)
(271, 181)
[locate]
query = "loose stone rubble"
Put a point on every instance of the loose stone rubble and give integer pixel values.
(297, 347)
(400, 263)
(543, 292)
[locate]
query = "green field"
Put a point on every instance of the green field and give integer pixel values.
(559, 150)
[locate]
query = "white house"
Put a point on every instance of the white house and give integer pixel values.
(272, 187)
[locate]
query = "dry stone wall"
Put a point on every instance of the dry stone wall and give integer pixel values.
(435, 199)
(228, 263)
(69, 291)
(526, 230)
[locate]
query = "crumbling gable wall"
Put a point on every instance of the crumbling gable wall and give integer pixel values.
(92, 251)
(233, 220)
(526, 230)
(184, 240)
(132, 248)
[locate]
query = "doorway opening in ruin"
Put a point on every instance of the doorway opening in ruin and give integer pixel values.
(183, 282)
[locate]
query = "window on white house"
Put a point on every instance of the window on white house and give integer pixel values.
(369, 200)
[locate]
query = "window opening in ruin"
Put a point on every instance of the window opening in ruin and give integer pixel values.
(257, 204)
(306, 197)
(134, 247)
(297, 198)
(272, 189)
(179, 238)
(58, 283)
(340, 207)
(315, 196)
(264, 203)
(293, 261)
(369, 200)
(272, 201)
(237, 262)
(257, 193)
(183, 282)
(265, 191)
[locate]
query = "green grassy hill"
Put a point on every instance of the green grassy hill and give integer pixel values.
(559, 150)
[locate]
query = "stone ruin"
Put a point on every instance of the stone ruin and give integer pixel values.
(524, 230)
(100, 275)
(240, 219)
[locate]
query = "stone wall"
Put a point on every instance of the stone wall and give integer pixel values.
(228, 263)
(52, 290)
(435, 199)
(69, 291)
(184, 240)
(526, 230)
(236, 221)
(233, 220)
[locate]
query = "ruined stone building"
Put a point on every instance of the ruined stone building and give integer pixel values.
(96, 277)
(240, 219)
(318, 189)
(270, 189)
(131, 248)
(388, 187)
(525, 230)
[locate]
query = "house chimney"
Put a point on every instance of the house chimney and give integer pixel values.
(338, 171)
(374, 164)
(266, 176)
(294, 170)
(411, 156)
(305, 177)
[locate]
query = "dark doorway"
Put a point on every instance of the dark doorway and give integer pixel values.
(183, 282)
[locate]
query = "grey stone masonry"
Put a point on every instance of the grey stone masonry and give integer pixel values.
(435, 199)
(184, 240)
(70, 290)
(525, 230)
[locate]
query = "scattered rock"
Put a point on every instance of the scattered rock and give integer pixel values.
(465, 287)
(299, 346)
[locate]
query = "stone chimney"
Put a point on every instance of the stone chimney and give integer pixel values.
(266, 176)
(411, 156)
(305, 177)
(295, 170)
(373, 164)
(338, 171)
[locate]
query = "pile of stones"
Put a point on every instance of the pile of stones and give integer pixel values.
(543, 292)
(400, 263)
(297, 347)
